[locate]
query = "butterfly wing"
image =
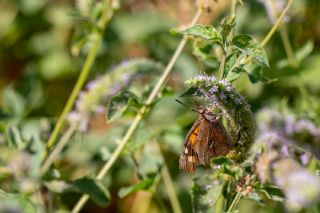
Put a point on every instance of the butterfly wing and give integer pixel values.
(189, 158)
(206, 139)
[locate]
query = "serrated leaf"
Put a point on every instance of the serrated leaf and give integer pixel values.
(249, 46)
(14, 138)
(205, 193)
(119, 104)
(191, 92)
(94, 188)
(143, 185)
(227, 25)
(204, 31)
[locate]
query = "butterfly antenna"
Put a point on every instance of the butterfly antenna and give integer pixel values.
(186, 105)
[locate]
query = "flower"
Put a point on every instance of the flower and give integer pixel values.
(221, 97)
(288, 135)
(97, 93)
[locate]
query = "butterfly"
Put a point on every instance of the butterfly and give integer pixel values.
(207, 139)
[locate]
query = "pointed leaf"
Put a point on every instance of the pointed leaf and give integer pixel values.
(94, 188)
(248, 45)
(143, 185)
(204, 31)
(227, 25)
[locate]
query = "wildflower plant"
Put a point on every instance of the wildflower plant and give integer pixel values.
(269, 160)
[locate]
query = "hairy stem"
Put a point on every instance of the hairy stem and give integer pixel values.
(234, 202)
(106, 16)
(138, 117)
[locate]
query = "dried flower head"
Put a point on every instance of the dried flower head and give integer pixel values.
(221, 97)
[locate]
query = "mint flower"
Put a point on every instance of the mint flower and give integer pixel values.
(220, 97)
(98, 92)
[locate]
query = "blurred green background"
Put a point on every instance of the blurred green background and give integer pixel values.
(43, 45)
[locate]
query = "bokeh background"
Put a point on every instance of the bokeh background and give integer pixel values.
(43, 45)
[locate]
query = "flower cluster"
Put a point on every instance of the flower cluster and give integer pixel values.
(93, 100)
(221, 97)
(288, 135)
(301, 188)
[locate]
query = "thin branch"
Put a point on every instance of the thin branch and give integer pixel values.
(106, 16)
(276, 25)
(138, 117)
(170, 189)
(58, 148)
(234, 202)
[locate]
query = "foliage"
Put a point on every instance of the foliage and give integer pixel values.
(120, 143)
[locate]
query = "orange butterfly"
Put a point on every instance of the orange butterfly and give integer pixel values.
(207, 139)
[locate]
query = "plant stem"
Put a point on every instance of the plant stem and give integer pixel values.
(58, 148)
(106, 16)
(170, 189)
(276, 25)
(139, 116)
(234, 202)
(222, 65)
(287, 46)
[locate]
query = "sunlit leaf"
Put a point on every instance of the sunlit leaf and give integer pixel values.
(248, 45)
(205, 32)
(227, 25)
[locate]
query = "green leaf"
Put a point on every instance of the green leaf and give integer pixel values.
(234, 66)
(205, 32)
(222, 161)
(14, 137)
(143, 185)
(11, 202)
(119, 104)
(249, 46)
(191, 92)
(13, 102)
(272, 192)
(204, 52)
(205, 193)
(227, 25)
(94, 188)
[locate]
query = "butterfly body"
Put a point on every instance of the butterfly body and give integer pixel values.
(207, 139)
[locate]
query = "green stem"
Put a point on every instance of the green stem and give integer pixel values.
(57, 149)
(287, 46)
(83, 75)
(234, 202)
(276, 25)
(170, 189)
(138, 117)
(222, 65)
